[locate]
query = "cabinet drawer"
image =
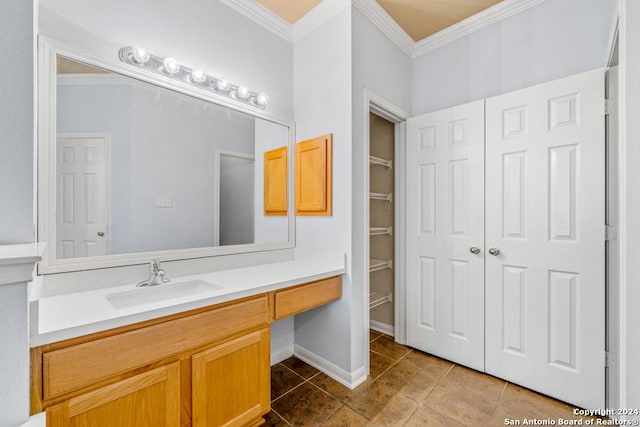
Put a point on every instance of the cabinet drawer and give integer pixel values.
(78, 366)
(301, 298)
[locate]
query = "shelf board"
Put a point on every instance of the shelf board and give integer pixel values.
(379, 231)
(380, 264)
(376, 299)
(373, 160)
(381, 196)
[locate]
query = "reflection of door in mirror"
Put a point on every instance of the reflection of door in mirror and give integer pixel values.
(236, 198)
(82, 196)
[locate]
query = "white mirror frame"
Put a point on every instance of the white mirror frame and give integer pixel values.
(48, 50)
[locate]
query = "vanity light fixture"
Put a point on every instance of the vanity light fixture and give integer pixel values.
(169, 67)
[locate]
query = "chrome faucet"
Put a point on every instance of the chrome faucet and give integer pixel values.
(157, 275)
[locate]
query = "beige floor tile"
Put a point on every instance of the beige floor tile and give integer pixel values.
(389, 348)
(414, 383)
(301, 368)
(346, 417)
(489, 387)
(533, 404)
(274, 420)
(378, 364)
(306, 405)
(334, 388)
(382, 405)
(373, 335)
(283, 380)
(458, 403)
(429, 417)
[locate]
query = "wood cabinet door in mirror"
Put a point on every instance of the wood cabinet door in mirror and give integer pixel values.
(231, 382)
(314, 176)
(275, 182)
(150, 399)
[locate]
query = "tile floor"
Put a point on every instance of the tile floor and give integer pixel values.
(406, 387)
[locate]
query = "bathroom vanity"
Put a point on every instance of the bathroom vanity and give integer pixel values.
(204, 366)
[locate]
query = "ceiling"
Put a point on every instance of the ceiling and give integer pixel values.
(419, 18)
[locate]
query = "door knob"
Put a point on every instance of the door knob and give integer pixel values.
(474, 250)
(494, 251)
(101, 233)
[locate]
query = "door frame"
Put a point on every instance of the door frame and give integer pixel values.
(378, 105)
(106, 138)
(216, 187)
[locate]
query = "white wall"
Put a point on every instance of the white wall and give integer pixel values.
(16, 198)
(629, 232)
(269, 136)
(200, 33)
(14, 354)
(16, 122)
(322, 104)
(552, 40)
(382, 68)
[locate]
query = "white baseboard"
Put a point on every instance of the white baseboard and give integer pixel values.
(383, 328)
(348, 379)
(281, 354)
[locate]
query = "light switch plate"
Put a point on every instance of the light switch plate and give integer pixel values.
(164, 202)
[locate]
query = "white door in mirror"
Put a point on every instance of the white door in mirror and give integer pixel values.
(82, 198)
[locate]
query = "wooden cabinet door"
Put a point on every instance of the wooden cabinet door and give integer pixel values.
(231, 382)
(314, 176)
(151, 399)
(275, 182)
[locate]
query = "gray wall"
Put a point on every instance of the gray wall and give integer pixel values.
(322, 89)
(630, 202)
(555, 39)
(16, 198)
(16, 122)
(381, 67)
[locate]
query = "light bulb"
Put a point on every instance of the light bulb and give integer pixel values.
(262, 99)
(140, 55)
(243, 92)
(198, 76)
(222, 85)
(170, 65)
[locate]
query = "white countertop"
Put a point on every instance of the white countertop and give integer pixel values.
(71, 315)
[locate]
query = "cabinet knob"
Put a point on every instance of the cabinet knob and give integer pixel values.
(101, 233)
(474, 250)
(494, 251)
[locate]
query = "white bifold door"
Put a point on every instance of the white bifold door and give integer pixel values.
(545, 291)
(529, 305)
(445, 227)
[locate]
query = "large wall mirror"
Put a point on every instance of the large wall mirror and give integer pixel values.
(133, 166)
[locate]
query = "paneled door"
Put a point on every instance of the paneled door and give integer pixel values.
(445, 234)
(82, 197)
(545, 159)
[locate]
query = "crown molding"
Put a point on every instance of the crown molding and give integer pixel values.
(385, 23)
(325, 10)
(263, 17)
(480, 20)
(380, 18)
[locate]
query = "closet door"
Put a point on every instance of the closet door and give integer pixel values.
(445, 234)
(545, 233)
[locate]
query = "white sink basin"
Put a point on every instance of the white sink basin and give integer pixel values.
(166, 291)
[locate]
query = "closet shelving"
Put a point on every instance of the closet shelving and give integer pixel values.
(376, 299)
(373, 160)
(388, 197)
(380, 264)
(380, 231)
